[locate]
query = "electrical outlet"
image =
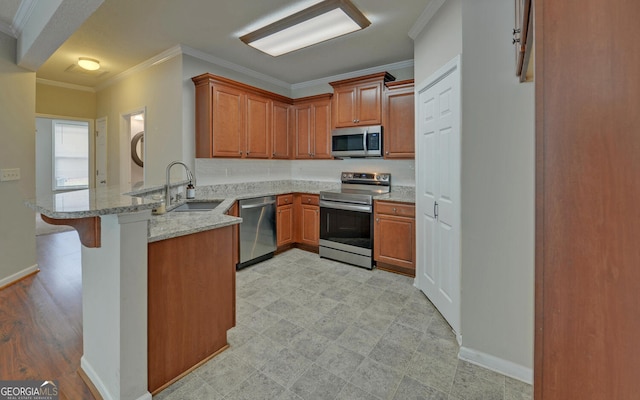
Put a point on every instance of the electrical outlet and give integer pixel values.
(9, 174)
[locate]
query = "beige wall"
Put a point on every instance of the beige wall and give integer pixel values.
(17, 130)
(439, 42)
(159, 89)
(497, 182)
(60, 101)
(497, 188)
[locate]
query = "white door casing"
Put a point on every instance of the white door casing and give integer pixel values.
(101, 152)
(438, 191)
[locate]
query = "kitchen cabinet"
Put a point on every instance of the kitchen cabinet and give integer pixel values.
(284, 221)
(523, 39)
(312, 127)
(308, 220)
(587, 280)
(281, 130)
(234, 119)
(394, 234)
(358, 101)
(399, 120)
(191, 302)
(258, 127)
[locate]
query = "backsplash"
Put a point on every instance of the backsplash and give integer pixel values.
(220, 170)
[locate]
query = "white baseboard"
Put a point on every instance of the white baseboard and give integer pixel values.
(496, 364)
(18, 275)
(97, 382)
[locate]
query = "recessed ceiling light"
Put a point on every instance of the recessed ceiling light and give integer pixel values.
(318, 23)
(89, 64)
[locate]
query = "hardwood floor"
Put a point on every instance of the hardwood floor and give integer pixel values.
(41, 319)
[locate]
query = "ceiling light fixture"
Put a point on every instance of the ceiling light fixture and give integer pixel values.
(88, 63)
(318, 23)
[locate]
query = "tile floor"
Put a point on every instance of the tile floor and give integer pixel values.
(311, 328)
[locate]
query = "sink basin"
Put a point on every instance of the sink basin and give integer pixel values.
(198, 206)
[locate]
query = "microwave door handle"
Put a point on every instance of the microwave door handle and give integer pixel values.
(364, 142)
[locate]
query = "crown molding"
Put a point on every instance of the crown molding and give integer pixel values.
(65, 85)
(8, 29)
(22, 16)
(353, 74)
(424, 18)
(232, 66)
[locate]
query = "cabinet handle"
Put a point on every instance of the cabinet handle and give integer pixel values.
(387, 152)
(274, 154)
(378, 220)
(241, 152)
(317, 211)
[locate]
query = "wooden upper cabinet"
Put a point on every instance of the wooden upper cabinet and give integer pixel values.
(258, 132)
(281, 130)
(312, 127)
(234, 119)
(399, 120)
(322, 128)
(358, 101)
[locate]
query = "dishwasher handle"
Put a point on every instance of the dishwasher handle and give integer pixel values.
(258, 205)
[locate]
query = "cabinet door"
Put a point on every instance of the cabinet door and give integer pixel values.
(310, 224)
(258, 132)
(345, 107)
(280, 130)
(228, 121)
(369, 104)
(284, 225)
(322, 130)
(394, 241)
(302, 128)
(399, 129)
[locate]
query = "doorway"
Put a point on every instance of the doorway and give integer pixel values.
(133, 148)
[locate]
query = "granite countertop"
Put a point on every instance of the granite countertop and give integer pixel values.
(119, 200)
(90, 203)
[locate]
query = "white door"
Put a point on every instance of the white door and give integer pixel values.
(438, 191)
(101, 152)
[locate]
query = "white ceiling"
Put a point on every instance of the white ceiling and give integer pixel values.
(124, 33)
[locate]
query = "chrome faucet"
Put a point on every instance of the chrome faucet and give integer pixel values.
(168, 187)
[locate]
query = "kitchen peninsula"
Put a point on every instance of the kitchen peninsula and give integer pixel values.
(142, 260)
(114, 229)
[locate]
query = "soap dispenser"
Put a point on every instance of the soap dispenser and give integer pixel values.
(191, 191)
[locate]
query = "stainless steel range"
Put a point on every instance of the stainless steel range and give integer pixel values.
(346, 217)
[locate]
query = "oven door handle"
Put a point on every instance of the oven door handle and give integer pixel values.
(346, 206)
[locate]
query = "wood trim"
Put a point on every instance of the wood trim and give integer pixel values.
(187, 372)
(400, 84)
(208, 78)
(88, 228)
(92, 388)
(525, 46)
(385, 76)
(410, 272)
(310, 99)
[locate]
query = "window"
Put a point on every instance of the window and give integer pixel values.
(70, 155)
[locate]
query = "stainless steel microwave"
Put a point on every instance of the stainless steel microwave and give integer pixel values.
(361, 141)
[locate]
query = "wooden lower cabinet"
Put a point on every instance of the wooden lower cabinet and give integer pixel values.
(394, 246)
(284, 221)
(308, 219)
(191, 302)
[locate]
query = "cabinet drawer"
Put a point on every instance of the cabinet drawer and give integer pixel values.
(310, 199)
(285, 199)
(391, 208)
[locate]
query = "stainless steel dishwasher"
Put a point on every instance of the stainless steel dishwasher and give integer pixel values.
(257, 230)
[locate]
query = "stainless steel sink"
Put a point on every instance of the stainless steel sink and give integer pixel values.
(198, 206)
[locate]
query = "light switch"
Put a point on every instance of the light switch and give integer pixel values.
(9, 174)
